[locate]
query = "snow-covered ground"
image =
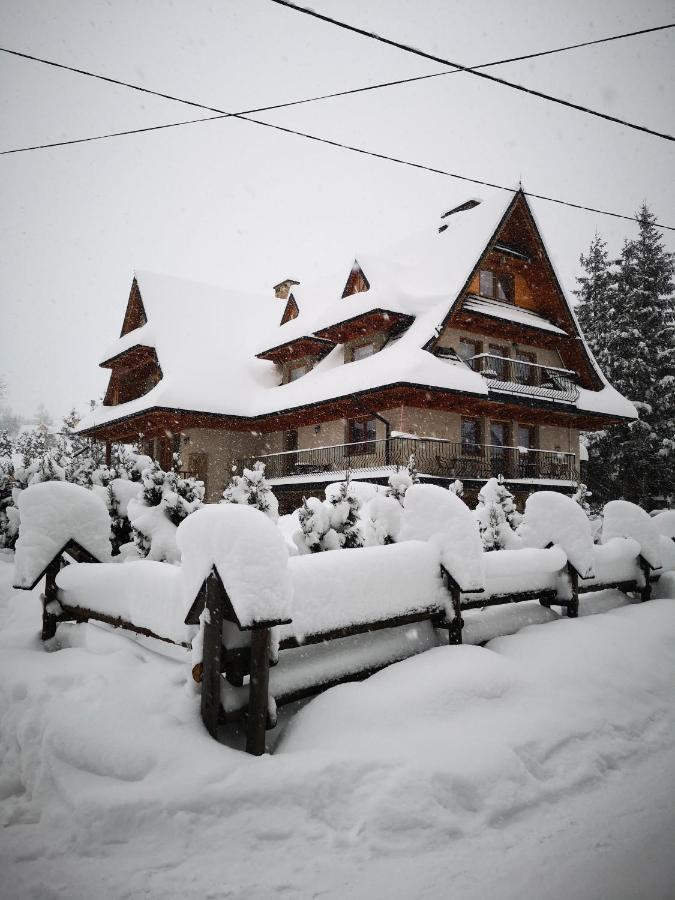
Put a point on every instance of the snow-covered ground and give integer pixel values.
(541, 766)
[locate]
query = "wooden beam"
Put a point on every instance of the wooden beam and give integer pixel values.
(256, 719)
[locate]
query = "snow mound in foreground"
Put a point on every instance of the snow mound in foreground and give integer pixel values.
(53, 513)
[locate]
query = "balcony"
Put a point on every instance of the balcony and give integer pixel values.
(515, 376)
(436, 458)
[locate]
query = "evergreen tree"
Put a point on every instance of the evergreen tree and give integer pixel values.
(596, 298)
(636, 461)
(253, 489)
(316, 533)
(344, 512)
(497, 515)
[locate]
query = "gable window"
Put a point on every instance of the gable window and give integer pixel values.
(496, 285)
(363, 351)
(361, 433)
(296, 372)
(471, 434)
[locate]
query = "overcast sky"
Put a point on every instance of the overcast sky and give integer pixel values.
(243, 206)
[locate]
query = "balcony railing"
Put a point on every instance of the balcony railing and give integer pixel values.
(434, 457)
(517, 376)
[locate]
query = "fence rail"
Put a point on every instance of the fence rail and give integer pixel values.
(434, 457)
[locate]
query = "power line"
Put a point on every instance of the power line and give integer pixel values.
(414, 165)
(371, 153)
(290, 103)
(446, 62)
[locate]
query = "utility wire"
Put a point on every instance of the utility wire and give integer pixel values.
(223, 115)
(245, 117)
(447, 62)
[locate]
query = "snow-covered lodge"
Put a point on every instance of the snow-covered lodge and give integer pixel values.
(459, 345)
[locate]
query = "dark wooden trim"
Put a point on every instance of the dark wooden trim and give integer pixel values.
(82, 614)
(258, 692)
(320, 637)
(72, 548)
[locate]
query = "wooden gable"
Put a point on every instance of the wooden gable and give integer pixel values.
(516, 249)
(357, 282)
(292, 310)
(135, 315)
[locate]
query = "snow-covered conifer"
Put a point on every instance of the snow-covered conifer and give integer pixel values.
(497, 515)
(253, 489)
(636, 461)
(316, 533)
(456, 488)
(344, 509)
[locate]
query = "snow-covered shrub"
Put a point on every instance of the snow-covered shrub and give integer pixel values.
(344, 508)
(8, 532)
(456, 488)
(402, 479)
(552, 518)
(166, 500)
(497, 516)
(383, 519)
(316, 533)
(581, 495)
(251, 488)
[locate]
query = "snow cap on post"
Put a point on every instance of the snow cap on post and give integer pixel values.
(552, 518)
(250, 556)
(437, 515)
(54, 514)
(624, 519)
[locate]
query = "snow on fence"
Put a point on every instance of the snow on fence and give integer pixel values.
(265, 630)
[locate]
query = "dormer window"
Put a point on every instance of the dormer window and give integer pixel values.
(496, 286)
(363, 351)
(296, 372)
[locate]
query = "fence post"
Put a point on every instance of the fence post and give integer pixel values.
(457, 624)
(213, 648)
(646, 591)
(256, 722)
(49, 618)
(573, 604)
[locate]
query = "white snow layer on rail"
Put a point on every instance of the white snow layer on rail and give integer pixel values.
(146, 594)
(624, 519)
(552, 518)
(52, 514)
(437, 515)
(336, 590)
(251, 557)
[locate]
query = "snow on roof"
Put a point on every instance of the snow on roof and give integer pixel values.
(206, 338)
(510, 313)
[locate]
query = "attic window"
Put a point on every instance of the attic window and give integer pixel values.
(362, 352)
(448, 354)
(496, 286)
(297, 372)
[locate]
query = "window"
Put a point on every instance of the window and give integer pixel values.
(496, 285)
(469, 349)
(297, 372)
(363, 351)
(361, 432)
(526, 437)
(525, 373)
(471, 437)
(499, 434)
(500, 365)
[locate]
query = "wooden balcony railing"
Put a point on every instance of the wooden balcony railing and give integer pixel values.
(520, 377)
(434, 457)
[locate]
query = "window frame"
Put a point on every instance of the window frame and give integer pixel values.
(361, 444)
(359, 347)
(498, 279)
(474, 447)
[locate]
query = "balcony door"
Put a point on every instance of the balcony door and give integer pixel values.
(499, 443)
(290, 461)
